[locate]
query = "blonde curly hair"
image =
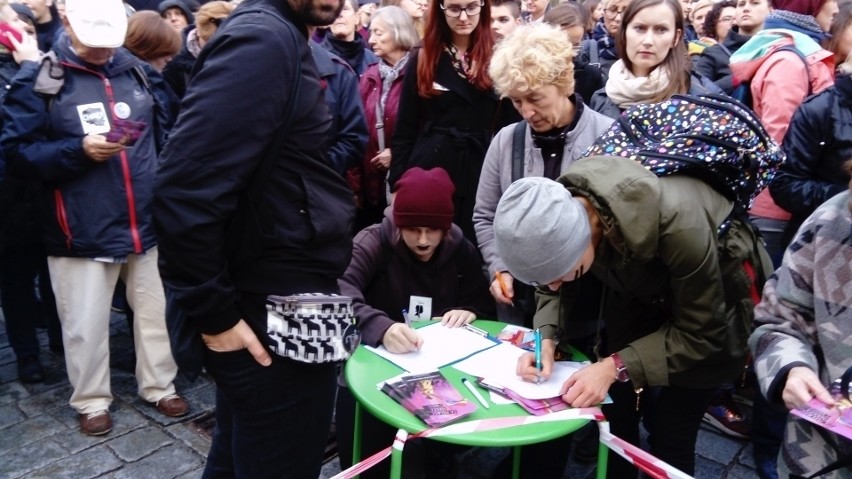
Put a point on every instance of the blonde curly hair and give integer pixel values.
(531, 57)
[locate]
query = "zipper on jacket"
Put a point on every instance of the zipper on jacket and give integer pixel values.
(62, 218)
(125, 164)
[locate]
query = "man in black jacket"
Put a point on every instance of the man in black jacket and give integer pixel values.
(246, 206)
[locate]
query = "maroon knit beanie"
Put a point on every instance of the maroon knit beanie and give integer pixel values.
(424, 198)
(802, 7)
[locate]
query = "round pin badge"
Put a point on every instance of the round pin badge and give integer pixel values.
(122, 110)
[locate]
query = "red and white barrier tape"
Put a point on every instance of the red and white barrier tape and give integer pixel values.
(478, 425)
(649, 464)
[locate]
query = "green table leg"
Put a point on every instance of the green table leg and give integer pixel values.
(356, 441)
(396, 460)
(603, 454)
(516, 462)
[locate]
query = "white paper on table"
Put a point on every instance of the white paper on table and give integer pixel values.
(441, 346)
(498, 366)
(499, 398)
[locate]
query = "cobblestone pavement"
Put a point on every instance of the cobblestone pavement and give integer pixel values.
(40, 438)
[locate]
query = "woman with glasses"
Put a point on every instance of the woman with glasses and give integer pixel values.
(605, 32)
(714, 62)
(207, 20)
(448, 111)
(654, 64)
(712, 22)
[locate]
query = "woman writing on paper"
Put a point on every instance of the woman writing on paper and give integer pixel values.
(415, 251)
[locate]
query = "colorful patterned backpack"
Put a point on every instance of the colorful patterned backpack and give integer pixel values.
(712, 137)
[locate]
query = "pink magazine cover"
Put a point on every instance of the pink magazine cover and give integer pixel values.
(837, 419)
(432, 398)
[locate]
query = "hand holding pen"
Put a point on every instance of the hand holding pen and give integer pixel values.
(527, 369)
(401, 338)
(502, 289)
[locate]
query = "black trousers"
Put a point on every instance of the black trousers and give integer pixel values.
(672, 416)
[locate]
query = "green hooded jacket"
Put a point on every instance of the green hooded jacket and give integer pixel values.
(678, 304)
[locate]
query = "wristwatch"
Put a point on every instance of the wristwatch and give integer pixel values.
(621, 374)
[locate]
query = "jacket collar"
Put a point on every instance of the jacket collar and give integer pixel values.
(121, 61)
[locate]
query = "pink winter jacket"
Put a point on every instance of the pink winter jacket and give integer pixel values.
(778, 87)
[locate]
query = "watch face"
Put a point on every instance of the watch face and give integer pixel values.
(622, 376)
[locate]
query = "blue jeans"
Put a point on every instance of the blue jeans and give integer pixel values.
(271, 422)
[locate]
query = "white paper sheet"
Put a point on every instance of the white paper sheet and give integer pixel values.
(441, 346)
(498, 366)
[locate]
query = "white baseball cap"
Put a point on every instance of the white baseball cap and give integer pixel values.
(97, 23)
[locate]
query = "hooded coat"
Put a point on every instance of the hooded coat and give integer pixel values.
(673, 310)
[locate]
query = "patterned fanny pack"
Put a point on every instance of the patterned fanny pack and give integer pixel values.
(312, 328)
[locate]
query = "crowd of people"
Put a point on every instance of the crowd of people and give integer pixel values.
(190, 158)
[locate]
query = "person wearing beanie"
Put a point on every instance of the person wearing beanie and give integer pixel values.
(415, 251)
(675, 296)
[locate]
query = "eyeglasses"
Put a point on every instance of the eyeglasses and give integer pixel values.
(454, 11)
(726, 20)
(613, 11)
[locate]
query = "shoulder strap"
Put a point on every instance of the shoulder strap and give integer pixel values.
(518, 144)
(725, 49)
(792, 48)
(591, 47)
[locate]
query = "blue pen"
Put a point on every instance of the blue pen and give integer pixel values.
(405, 317)
(537, 337)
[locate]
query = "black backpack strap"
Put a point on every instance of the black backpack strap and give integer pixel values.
(725, 49)
(518, 144)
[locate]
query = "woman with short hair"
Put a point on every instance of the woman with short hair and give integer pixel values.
(392, 36)
(344, 41)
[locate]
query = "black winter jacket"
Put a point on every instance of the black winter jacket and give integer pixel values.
(817, 144)
(714, 61)
(451, 130)
(238, 122)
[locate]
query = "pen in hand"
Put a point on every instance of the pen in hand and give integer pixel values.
(504, 288)
(537, 337)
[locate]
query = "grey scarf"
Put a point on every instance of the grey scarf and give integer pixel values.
(389, 74)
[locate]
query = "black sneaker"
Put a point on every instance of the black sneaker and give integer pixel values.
(725, 415)
(30, 370)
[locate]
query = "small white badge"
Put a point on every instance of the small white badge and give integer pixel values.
(93, 118)
(122, 110)
(420, 308)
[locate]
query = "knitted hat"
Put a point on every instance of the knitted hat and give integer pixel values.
(179, 4)
(540, 230)
(802, 7)
(424, 198)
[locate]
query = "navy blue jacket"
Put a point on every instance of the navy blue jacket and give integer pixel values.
(344, 100)
(249, 107)
(93, 208)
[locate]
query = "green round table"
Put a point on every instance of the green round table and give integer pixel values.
(365, 370)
